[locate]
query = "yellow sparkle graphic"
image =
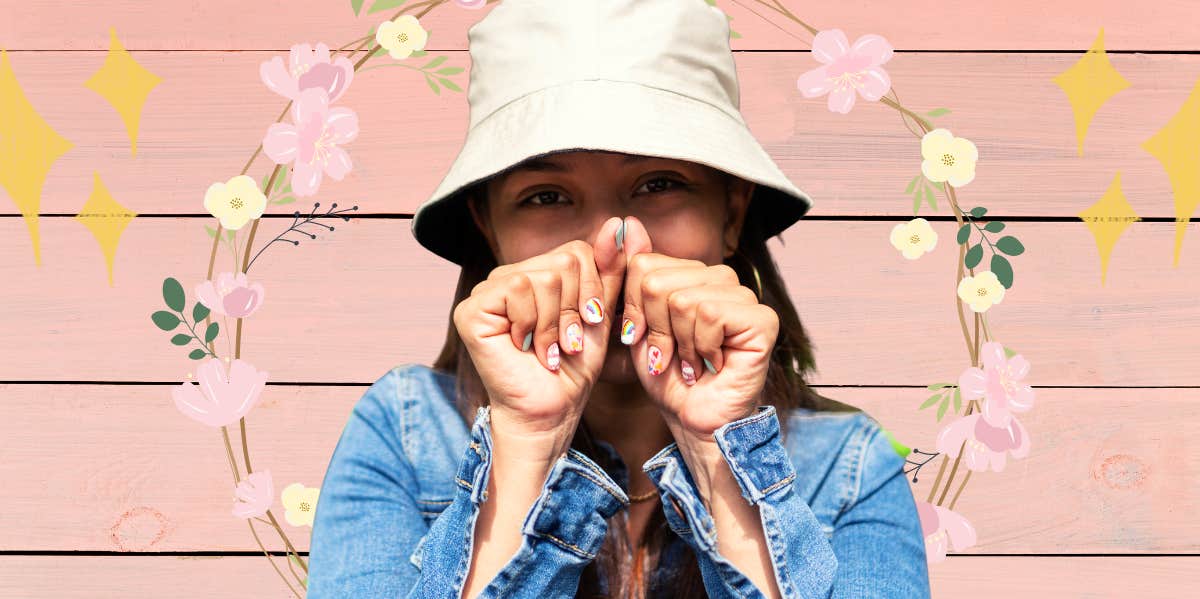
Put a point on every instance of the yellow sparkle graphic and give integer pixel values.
(1107, 219)
(107, 219)
(1177, 147)
(28, 147)
(1089, 83)
(125, 84)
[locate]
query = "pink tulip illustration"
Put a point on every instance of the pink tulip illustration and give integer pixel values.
(253, 496)
(231, 295)
(999, 382)
(943, 528)
(312, 142)
(472, 4)
(308, 67)
(219, 400)
(847, 71)
(986, 445)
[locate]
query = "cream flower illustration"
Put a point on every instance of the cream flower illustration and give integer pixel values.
(301, 504)
(948, 158)
(914, 238)
(981, 290)
(401, 36)
(235, 202)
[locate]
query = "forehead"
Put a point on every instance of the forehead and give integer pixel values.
(566, 162)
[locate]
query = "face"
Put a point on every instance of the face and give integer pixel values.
(689, 210)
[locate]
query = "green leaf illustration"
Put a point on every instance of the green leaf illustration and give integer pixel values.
(433, 85)
(173, 294)
(284, 200)
(449, 71)
(1009, 352)
(994, 227)
(211, 333)
(957, 400)
(435, 62)
(936, 386)
(916, 203)
(964, 233)
(197, 354)
(936, 112)
(449, 84)
(930, 197)
(932, 400)
(901, 449)
(356, 5)
(1003, 270)
(1009, 245)
(165, 320)
(181, 339)
(199, 312)
(420, 53)
(942, 410)
(978, 211)
(974, 255)
(384, 5)
(912, 184)
(211, 231)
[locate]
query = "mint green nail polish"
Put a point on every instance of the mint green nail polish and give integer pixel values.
(528, 340)
(709, 366)
(621, 236)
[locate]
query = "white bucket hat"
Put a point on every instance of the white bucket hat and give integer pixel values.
(648, 77)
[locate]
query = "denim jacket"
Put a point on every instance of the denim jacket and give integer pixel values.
(403, 488)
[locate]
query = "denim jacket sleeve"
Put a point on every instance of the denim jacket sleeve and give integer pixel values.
(371, 540)
(876, 544)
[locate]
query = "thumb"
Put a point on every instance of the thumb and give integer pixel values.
(610, 262)
(637, 239)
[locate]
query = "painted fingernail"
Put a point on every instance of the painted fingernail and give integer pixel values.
(621, 236)
(528, 340)
(655, 358)
(689, 373)
(709, 366)
(575, 338)
(552, 356)
(627, 329)
(593, 311)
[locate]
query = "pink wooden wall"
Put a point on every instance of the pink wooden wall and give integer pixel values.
(109, 491)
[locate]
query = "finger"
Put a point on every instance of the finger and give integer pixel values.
(656, 287)
(719, 320)
(547, 294)
(608, 270)
(682, 305)
(566, 262)
(636, 242)
(510, 304)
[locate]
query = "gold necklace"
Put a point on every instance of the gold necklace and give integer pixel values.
(637, 498)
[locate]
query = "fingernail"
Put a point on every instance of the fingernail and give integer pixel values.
(655, 358)
(575, 337)
(621, 236)
(709, 366)
(528, 340)
(689, 373)
(593, 311)
(627, 330)
(552, 356)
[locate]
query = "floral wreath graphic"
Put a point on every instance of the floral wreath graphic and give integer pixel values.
(310, 147)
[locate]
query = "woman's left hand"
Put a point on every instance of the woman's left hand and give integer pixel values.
(685, 311)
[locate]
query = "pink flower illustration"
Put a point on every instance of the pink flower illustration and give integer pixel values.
(231, 295)
(219, 400)
(472, 4)
(253, 496)
(999, 381)
(986, 445)
(847, 71)
(942, 528)
(312, 142)
(307, 67)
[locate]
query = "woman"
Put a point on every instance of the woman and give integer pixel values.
(617, 307)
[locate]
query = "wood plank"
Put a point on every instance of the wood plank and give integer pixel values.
(920, 24)
(855, 164)
(117, 468)
(345, 306)
(86, 577)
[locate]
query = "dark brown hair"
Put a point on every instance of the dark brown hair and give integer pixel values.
(786, 388)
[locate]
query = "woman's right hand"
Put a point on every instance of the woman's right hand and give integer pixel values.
(535, 392)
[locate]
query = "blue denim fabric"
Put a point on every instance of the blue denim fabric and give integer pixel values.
(403, 489)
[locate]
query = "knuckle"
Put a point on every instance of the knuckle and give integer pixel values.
(653, 285)
(681, 301)
(725, 272)
(708, 311)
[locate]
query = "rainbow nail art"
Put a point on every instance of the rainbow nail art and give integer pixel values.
(575, 338)
(593, 311)
(655, 357)
(627, 329)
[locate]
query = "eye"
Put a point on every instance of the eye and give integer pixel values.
(547, 194)
(657, 188)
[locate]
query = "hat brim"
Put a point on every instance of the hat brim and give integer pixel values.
(616, 116)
